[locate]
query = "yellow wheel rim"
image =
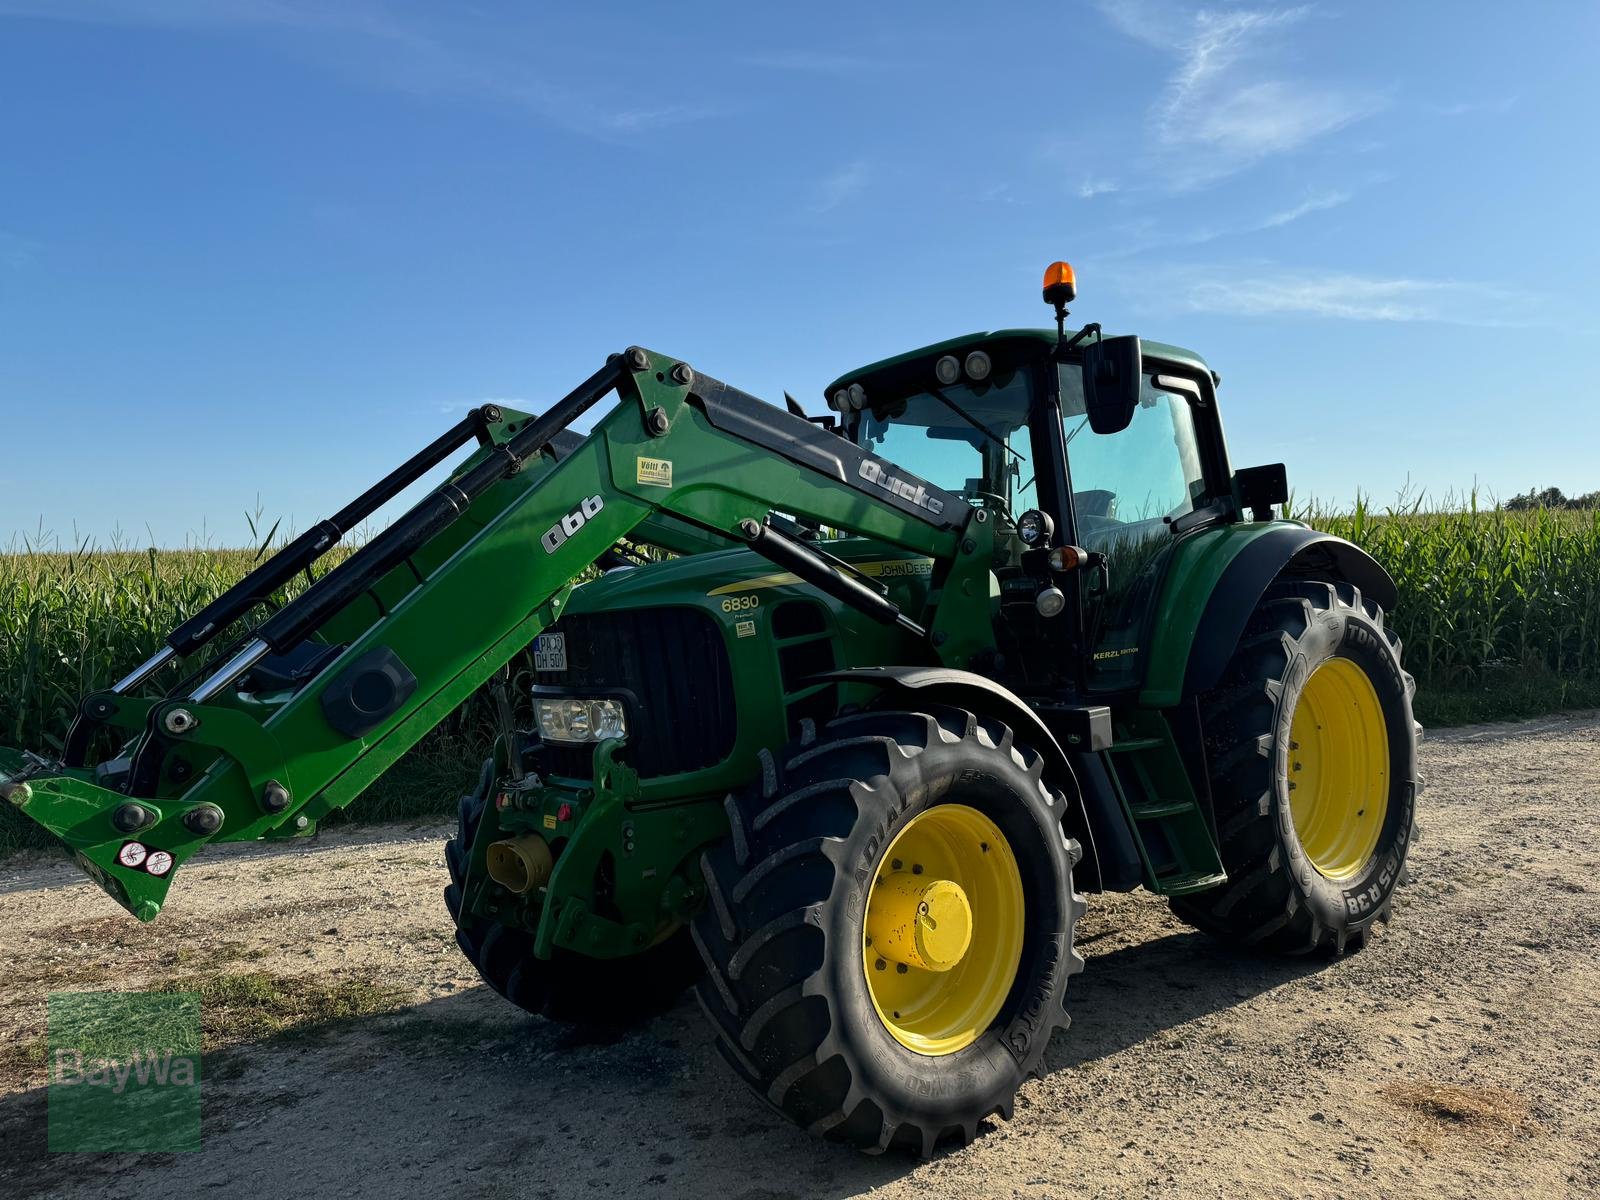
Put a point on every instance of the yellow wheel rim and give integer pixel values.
(942, 937)
(1338, 769)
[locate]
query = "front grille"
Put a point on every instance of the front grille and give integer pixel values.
(670, 666)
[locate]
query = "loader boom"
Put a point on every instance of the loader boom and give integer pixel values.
(395, 637)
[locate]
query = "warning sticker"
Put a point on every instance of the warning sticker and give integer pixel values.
(745, 629)
(549, 820)
(657, 472)
(132, 854)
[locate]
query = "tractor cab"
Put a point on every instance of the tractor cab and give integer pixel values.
(1104, 450)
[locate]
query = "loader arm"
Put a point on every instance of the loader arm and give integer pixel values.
(395, 637)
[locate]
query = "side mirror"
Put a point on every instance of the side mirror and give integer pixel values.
(1262, 487)
(1113, 374)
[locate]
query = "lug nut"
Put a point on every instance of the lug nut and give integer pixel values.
(750, 527)
(274, 797)
(636, 358)
(656, 421)
(683, 373)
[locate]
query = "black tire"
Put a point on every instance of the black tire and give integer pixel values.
(781, 934)
(571, 988)
(1275, 898)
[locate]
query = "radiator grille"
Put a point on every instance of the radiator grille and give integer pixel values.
(670, 665)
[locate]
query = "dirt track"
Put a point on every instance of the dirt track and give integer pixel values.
(1458, 1056)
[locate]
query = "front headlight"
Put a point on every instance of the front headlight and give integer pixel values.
(569, 719)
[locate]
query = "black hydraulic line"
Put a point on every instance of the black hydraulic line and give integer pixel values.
(433, 514)
(323, 536)
(799, 559)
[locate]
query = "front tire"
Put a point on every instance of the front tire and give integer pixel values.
(889, 927)
(1312, 750)
(572, 988)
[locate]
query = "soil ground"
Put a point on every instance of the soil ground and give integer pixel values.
(357, 1053)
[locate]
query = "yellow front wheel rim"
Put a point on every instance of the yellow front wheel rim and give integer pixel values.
(1338, 769)
(942, 935)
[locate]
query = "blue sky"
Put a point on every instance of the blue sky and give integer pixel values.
(257, 251)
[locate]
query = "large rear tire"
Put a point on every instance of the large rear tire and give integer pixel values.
(1312, 751)
(571, 988)
(889, 927)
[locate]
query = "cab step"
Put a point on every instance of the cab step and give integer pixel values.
(1171, 828)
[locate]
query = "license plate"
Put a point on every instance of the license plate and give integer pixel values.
(550, 652)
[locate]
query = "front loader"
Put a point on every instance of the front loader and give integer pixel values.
(856, 709)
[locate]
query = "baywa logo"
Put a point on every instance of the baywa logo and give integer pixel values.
(917, 493)
(161, 1068)
(124, 1071)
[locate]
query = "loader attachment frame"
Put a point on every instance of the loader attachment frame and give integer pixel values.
(397, 635)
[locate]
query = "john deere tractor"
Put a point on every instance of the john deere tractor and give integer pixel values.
(855, 710)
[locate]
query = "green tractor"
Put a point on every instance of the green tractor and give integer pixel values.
(856, 709)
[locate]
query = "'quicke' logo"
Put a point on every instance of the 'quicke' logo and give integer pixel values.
(916, 493)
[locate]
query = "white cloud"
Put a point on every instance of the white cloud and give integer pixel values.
(840, 185)
(1222, 109)
(1091, 187)
(455, 406)
(1469, 108)
(636, 120)
(1305, 208)
(1147, 235)
(416, 52)
(1275, 292)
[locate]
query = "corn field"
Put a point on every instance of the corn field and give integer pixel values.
(1485, 596)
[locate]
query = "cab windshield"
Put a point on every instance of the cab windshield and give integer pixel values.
(924, 434)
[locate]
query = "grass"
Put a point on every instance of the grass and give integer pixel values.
(1499, 613)
(1492, 1115)
(248, 1006)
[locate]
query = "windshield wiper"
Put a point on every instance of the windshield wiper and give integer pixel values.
(970, 420)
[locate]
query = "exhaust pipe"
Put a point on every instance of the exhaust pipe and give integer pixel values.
(519, 864)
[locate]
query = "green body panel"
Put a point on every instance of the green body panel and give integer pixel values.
(1195, 565)
(660, 825)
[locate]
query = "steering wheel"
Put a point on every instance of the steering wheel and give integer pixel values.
(995, 503)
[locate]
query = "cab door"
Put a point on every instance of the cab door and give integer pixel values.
(1130, 492)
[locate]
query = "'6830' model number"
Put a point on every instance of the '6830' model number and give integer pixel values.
(735, 604)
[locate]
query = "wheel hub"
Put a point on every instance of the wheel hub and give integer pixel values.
(923, 923)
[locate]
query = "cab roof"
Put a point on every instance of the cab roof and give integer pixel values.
(1002, 343)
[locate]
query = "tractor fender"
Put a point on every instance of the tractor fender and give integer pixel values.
(1091, 814)
(1283, 550)
(967, 690)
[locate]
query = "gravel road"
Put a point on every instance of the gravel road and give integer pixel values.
(1459, 1055)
